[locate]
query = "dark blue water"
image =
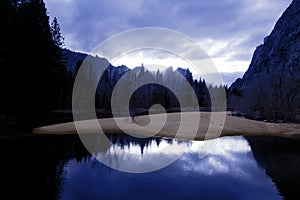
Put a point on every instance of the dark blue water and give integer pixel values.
(236, 168)
(229, 171)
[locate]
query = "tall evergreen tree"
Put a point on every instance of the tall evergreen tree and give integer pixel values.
(57, 38)
(34, 68)
(7, 13)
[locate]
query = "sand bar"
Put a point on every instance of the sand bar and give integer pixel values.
(232, 126)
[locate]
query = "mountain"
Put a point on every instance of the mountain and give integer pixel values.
(72, 58)
(270, 87)
(144, 96)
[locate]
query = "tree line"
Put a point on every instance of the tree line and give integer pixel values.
(157, 90)
(273, 97)
(35, 80)
(33, 71)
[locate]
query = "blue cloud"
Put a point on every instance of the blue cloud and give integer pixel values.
(86, 23)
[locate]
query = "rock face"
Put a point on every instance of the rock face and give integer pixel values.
(281, 50)
(272, 80)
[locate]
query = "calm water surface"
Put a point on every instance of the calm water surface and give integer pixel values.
(59, 167)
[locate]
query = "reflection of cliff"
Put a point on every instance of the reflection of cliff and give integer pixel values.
(280, 157)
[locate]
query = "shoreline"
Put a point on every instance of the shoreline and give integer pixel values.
(233, 126)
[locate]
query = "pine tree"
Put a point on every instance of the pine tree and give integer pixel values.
(34, 69)
(57, 38)
(7, 13)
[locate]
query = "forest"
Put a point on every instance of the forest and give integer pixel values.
(36, 78)
(37, 74)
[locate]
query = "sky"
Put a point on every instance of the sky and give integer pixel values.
(228, 30)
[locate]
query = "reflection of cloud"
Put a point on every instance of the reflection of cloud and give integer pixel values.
(224, 156)
(135, 159)
(228, 154)
(229, 171)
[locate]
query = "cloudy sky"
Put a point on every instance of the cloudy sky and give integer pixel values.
(228, 30)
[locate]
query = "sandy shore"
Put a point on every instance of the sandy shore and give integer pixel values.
(232, 126)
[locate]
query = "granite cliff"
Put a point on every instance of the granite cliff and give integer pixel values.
(270, 87)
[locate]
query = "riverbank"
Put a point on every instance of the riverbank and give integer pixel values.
(233, 126)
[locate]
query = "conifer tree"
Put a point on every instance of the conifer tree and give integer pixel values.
(34, 68)
(57, 38)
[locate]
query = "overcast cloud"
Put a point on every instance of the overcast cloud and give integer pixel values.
(229, 30)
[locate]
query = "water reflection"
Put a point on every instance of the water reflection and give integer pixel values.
(229, 171)
(280, 157)
(59, 167)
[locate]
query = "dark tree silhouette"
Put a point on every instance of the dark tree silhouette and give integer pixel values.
(35, 81)
(33, 65)
(57, 38)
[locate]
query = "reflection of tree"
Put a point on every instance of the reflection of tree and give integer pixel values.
(125, 141)
(39, 172)
(35, 165)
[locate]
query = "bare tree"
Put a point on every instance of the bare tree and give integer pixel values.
(272, 96)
